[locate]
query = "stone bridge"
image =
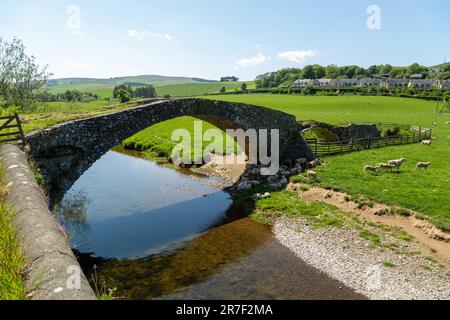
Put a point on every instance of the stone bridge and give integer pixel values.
(65, 151)
(330, 133)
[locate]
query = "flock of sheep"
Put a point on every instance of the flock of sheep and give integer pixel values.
(396, 164)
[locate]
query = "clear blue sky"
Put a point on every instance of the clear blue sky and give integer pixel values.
(210, 39)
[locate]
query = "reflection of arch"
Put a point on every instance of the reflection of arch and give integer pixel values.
(67, 150)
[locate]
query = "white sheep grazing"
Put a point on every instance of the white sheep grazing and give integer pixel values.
(368, 169)
(312, 175)
(386, 166)
(423, 165)
(427, 142)
(397, 163)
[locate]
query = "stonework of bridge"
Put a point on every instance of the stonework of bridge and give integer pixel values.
(330, 133)
(64, 152)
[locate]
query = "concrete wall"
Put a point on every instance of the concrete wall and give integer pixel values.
(47, 251)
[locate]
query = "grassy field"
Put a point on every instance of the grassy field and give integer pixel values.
(104, 87)
(52, 113)
(426, 192)
(12, 262)
(196, 89)
(156, 140)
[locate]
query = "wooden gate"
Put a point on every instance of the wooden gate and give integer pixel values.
(11, 130)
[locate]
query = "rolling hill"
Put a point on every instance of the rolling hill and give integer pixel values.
(104, 87)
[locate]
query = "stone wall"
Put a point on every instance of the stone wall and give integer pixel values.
(65, 151)
(48, 255)
(332, 133)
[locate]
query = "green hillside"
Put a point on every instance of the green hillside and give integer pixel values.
(196, 89)
(104, 87)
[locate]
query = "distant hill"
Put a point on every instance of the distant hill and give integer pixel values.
(104, 87)
(198, 89)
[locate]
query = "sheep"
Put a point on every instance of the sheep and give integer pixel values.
(372, 169)
(386, 166)
(423, 165)
(427, 142)
(313, 175)
(397, 163)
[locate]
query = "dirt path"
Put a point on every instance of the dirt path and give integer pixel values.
(428, 236)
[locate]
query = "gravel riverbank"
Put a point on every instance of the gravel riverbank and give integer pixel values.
(378, 273)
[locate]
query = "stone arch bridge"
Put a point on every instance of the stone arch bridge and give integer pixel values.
(65, 151)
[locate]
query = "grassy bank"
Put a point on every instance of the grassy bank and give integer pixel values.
(425, 192)
(52, 113)
(12, 262)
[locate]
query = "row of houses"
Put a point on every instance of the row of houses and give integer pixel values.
(423, 84)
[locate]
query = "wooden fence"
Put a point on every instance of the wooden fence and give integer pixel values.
(321, 148)
(11, 130)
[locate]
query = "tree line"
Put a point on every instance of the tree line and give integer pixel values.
(286, 77)
(125, 92)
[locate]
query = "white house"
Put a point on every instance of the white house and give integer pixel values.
(325, 82)
(394, 83)
(347, 82)
(301, 83)
(368, 82)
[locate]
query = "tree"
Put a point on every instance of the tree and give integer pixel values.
(124, 87)
(244, 87)
(319, 71)
(308, 72)
(21, 78)
(145, 92)
(223, 90)
(123, 95)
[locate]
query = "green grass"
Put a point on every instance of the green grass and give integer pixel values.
(52, 113)
(317, 214)
(104, 87)
(12, 262)
(156, 141)
(196, 89)
(389, 265)
(425, 192)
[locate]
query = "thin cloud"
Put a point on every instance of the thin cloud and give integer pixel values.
(298, 56)
(253, 61)
(141, 35)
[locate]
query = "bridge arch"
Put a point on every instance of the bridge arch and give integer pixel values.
(65, 151)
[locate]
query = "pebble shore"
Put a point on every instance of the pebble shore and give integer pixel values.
(377, 273)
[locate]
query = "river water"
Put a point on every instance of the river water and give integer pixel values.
(158, 233)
